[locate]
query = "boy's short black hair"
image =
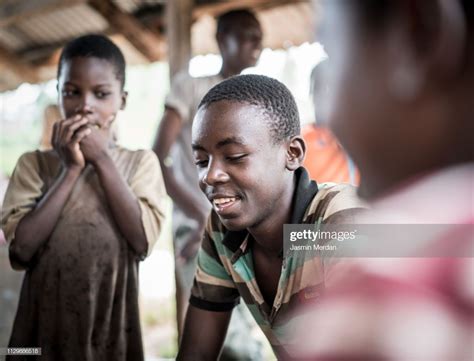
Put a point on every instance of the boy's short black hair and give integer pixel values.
(95, 46)
(273, 97)
(227, 21)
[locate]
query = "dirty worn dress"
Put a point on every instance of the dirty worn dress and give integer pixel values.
(79, 298)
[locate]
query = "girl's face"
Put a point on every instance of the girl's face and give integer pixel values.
(89, 86)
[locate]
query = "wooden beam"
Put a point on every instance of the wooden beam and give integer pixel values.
(147, 42)
(179, 34)
(214, 9)
(12, 11)
(22, 70)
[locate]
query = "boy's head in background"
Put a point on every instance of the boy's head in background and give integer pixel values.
(239, 37)
(402, 74)
(247, 146)
(91, 78)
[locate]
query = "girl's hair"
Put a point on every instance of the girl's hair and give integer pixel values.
(94, 46)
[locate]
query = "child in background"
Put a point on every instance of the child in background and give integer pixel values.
(326, 160)
(79, 219)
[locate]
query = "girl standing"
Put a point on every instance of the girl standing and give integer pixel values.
(80, 217)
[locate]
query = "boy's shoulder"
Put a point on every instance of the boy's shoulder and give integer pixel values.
(334, 203)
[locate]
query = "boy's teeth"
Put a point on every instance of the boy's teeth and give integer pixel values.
(223, 200)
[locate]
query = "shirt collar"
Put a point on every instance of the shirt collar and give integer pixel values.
(305, 191)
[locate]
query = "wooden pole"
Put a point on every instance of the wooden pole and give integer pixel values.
(179, 21)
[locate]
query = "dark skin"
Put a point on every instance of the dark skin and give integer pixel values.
(240, 48)
(239, 160)
(396, 97)
(90, 95)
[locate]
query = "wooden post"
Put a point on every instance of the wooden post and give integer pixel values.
(178, 31)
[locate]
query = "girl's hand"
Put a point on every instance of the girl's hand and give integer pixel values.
(67, 133)
(95, 146)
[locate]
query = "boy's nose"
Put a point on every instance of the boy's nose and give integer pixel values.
(214, 174)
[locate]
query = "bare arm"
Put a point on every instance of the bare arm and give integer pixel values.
(36, 227)
(123, 204)
(203, 335)
(122, 201)
(170, 127)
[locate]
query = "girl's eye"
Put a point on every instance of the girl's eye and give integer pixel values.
(201, 163)
(68, 93)
(102, 94)
(237, 158)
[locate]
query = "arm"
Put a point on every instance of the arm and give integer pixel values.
(123, 204)
(184, 198)
(197, 345)
(122, 201)
(168, 132)
(36, 226)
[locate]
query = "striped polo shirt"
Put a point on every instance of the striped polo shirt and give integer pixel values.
(225, 271)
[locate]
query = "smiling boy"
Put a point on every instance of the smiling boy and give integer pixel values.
(248, 151)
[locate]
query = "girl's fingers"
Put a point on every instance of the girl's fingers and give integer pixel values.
(72, 127)
(81, 134)
(64, 125)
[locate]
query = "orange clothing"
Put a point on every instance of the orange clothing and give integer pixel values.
(325, 160)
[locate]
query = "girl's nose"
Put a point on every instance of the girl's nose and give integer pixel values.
(86, 105)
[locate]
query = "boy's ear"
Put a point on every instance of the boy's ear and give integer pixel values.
(429, 46)
(295, 152)
(124, 100)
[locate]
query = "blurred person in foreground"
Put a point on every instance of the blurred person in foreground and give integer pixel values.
(239, 37)
(326, 160)
(403, 82)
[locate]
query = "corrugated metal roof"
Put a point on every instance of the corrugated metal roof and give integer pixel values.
(36, 39)
(62, 24)
(131, 6)
(10, 40)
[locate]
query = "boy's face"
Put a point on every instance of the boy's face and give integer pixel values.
(241, 170)
(89, 86)
(242, 45)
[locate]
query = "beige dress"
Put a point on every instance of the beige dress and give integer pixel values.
(79, 299)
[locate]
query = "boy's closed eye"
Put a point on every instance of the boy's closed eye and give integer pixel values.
(236, 158)
(201, 163)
